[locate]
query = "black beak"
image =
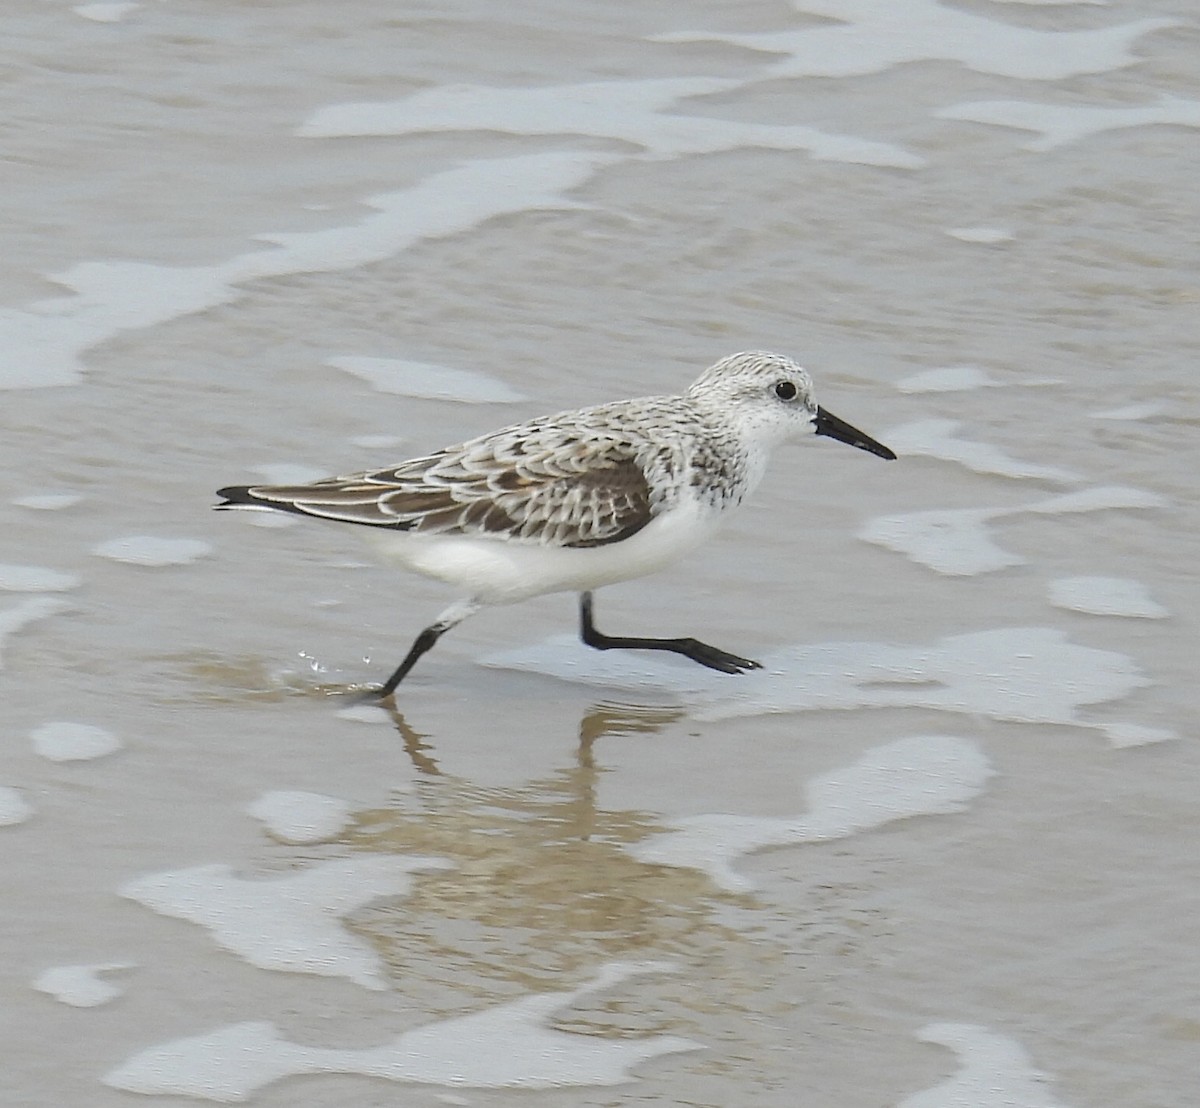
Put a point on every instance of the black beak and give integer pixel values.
(835, 428)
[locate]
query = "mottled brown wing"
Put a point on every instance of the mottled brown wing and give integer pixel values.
(525, 484)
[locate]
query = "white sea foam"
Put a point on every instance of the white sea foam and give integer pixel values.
(48, 501)
(36, 579)
(957, 541)
(1105, 596)
(64, 741)
(290, 922)
(874, 35)
(14, 808)
(443, 204)
(963, 378)
(994, 1072)
(628, 111)
(507, 1046)
(19, 616)
(106, 12)
(377, 442)
(301, 817)
(365, 713)
(1136, 734)
(43, 344)
(1147, 409)
(1098, 498)
(81, 986)
(948, 379)
(984, 236)
(936, 438)
(427, 381)
(267, 518)
(1016, 674)
(1060, 124)
(151, 550)
(953, 541)
(926, 775)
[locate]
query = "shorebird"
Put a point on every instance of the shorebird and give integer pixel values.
(574, 501)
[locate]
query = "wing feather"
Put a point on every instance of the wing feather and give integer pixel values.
(531, 484)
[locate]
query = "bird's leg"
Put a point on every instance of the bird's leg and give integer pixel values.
(451, 617)
(690, 648)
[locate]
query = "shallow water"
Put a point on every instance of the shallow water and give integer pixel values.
(940, 851)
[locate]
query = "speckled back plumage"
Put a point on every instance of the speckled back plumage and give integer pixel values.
(577, 479)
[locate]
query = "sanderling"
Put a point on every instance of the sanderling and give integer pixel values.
(574, 501)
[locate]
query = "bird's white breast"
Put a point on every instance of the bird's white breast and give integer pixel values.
(500, 572)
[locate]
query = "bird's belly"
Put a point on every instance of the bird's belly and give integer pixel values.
(499, 572)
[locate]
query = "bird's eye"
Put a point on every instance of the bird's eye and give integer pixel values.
(785, 390)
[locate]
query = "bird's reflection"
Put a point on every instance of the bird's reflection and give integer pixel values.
(612, 718)
(603, 720)
(414, 741)
(540, 880)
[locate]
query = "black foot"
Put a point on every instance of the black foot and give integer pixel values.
(700, 652)
(710, 656)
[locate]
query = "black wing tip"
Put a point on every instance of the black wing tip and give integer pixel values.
(250, 496)
(235, 495)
